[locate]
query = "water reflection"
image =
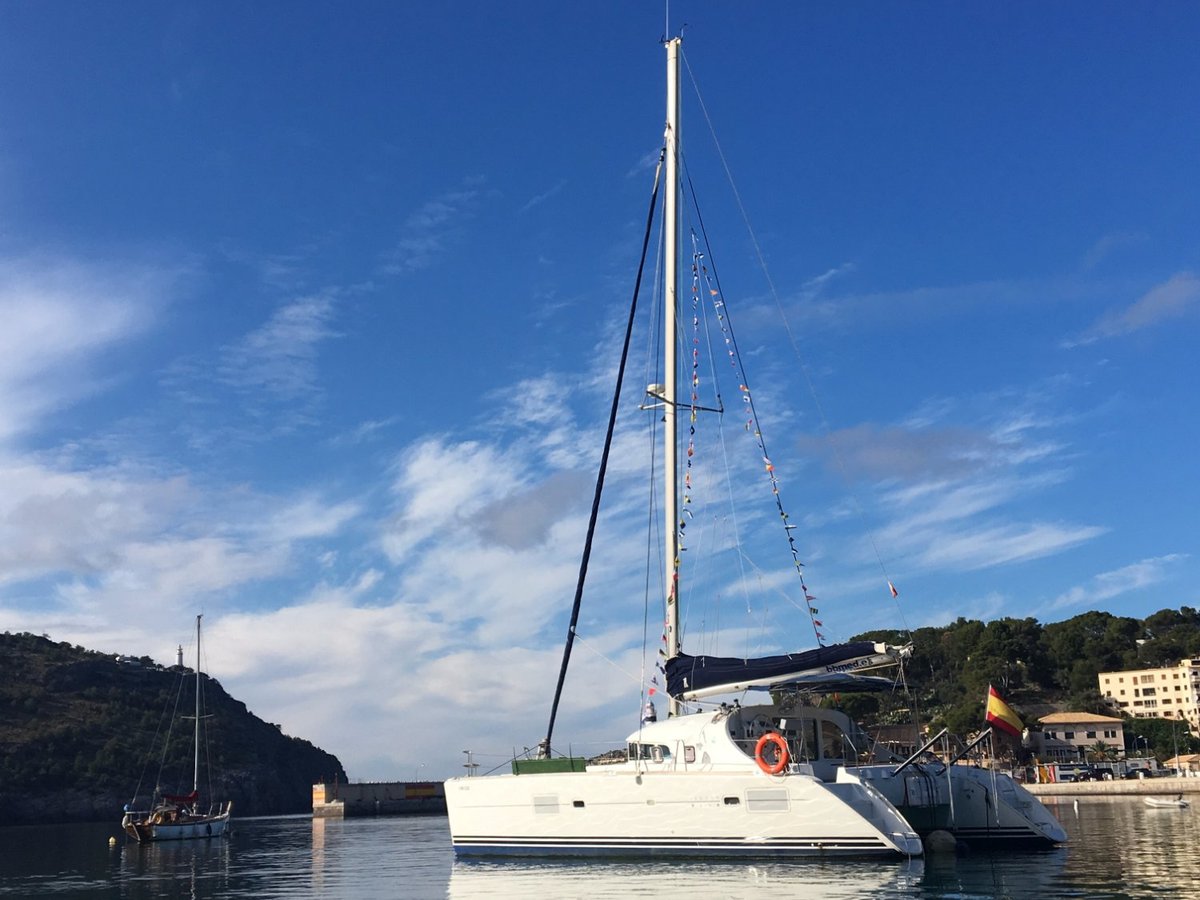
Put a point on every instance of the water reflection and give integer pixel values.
(1122, 848)
(174, 869)
(681, 878)
(1119, 848)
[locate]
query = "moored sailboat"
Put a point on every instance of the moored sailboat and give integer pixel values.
(727, 782)
(173, 817)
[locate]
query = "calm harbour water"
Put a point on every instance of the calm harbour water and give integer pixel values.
(1119, 848)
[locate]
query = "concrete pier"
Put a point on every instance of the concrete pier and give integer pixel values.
(1135, 786)
(378, 798)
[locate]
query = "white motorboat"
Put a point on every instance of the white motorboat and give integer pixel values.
(1167, 802)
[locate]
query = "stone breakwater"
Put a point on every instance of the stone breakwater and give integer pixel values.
(1123, 787)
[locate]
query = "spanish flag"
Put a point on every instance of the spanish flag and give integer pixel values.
(1000, 715)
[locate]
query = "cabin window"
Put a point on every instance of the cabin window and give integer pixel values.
(732, 801)
(801, 736)
(578, 804)
(655, 752)
(833, 742)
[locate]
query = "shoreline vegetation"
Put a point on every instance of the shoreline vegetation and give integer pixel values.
(78, 735)
(1038, 669)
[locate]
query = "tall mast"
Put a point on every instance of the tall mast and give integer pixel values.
(196, 741)
(670, 297)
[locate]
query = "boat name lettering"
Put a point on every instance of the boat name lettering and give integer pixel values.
(861, 663)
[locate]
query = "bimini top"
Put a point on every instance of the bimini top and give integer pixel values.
(825, 668)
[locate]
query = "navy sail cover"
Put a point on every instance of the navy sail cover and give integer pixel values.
(692, 677)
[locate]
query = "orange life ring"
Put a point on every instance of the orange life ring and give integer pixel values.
(781, 761)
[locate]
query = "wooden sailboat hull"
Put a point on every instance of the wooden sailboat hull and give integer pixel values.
(155, 827)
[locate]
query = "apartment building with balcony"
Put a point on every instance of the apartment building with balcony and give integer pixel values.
(1171, 692)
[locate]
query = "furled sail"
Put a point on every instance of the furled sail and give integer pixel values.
(695, 677)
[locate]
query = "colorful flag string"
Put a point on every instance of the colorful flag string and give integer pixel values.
(700, 272)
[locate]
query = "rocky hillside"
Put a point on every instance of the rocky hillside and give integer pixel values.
(79, 731)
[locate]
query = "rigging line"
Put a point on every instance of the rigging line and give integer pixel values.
(162, 761)
(725, 320)
(166, 716)
(804, 369)
(725, 324)
(587, 645)
(608, 441)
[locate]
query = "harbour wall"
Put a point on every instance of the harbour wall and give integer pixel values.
(378, 798)
(1130, 786)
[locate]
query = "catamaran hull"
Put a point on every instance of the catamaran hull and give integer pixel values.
(985, 809)
(626, 813)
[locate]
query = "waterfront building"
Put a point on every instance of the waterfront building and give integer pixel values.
(1170, 692)
(1069, 736)
(1187, 764)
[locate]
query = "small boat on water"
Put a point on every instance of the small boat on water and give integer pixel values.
(174, 817)
(1167, 802)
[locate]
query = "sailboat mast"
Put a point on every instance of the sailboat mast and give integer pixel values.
(196, 741)
(670, 299)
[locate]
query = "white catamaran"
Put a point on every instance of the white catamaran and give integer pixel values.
(174, 817)
(732, 781)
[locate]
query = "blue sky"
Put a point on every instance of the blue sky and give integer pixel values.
(310, 314)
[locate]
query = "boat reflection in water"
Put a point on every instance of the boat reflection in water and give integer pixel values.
(975, 874)
(674, 878)
(176, 868)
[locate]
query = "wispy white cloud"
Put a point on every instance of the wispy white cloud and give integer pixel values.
(278, 359)
(427, 230)
(364, 432)
(258, 384)
(817, 283)
(878, 451)
(1173, 299)
(985, 547)
(543, 197)
(881, 308)
(1108, 245)
(1114, 583)
(60, 316)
